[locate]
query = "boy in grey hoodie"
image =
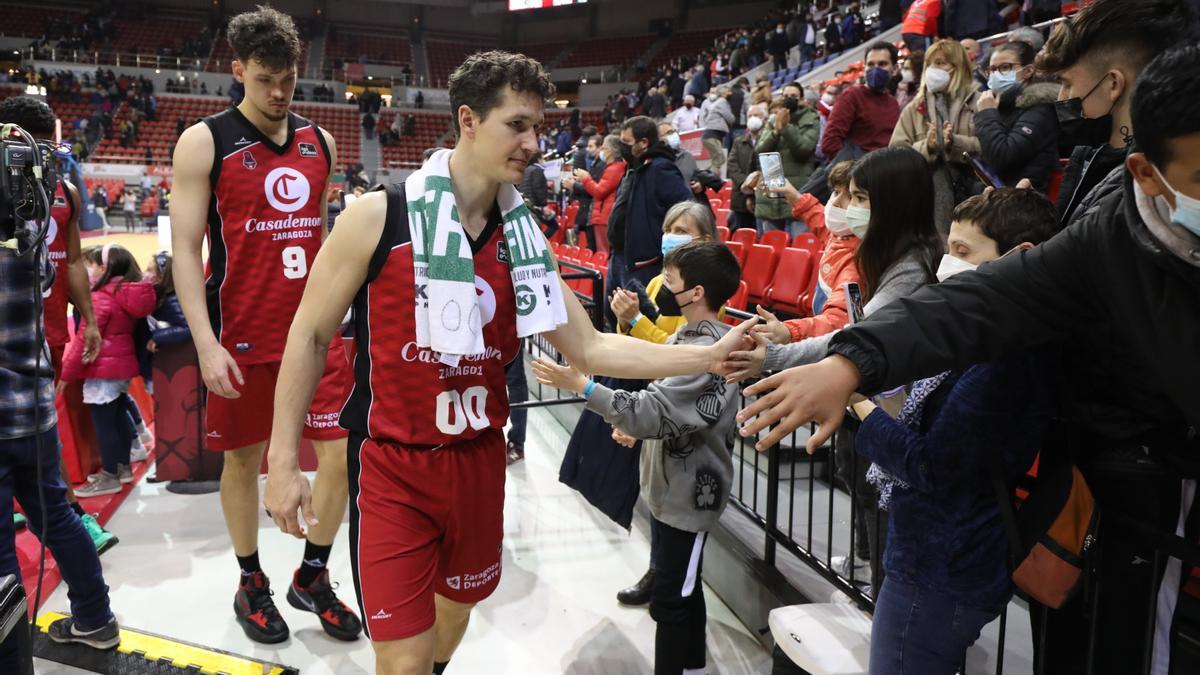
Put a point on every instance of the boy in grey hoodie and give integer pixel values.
(688, 427)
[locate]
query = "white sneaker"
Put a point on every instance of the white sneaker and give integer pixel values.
(840, 564)
(137, 451)
(145, 436)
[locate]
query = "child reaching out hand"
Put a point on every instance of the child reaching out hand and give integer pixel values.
(687, 427)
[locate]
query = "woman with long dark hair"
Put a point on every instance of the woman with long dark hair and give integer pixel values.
(891, 211)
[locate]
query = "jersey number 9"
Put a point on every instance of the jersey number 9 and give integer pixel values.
(295, 262)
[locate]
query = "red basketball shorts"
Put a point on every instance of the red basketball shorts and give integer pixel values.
(422, 522)
(230, 424)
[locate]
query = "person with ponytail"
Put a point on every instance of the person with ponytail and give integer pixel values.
(120, 298)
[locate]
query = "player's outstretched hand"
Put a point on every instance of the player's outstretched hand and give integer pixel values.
(744, 364)
(220, 371)
(287, 493)
(735, 340)
(814, 393)
(562, 377)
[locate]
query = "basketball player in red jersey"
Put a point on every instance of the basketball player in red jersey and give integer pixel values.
(254, 177)
(427, 453)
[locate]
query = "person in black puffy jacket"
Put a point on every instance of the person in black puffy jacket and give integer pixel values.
(1015, 120)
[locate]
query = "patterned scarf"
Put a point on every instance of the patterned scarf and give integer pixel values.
(910, 415)
(447, 314)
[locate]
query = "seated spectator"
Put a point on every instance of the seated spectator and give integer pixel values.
(1015, 119)
(940, 124)
(685, 491)
(947, 550)
(836, 267)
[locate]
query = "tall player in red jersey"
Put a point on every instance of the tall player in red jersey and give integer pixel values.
(254, 178)
(427, 453)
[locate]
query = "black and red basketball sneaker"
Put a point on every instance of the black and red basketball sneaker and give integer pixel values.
(256, 611)
(319, 598)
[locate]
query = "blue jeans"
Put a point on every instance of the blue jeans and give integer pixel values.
(916, 631)
(59, 526)
(518, 392)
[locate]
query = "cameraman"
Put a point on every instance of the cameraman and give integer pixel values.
(29, 461)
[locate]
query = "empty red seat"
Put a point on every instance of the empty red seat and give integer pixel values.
(776, 239)
(722, 217)
(738, 301)
(722, 233)
(791, 281)
(807, 240)
(739, 252)
(759, 270)
(745, 236)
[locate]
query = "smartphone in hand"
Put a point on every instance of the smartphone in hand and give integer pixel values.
(772, 170)
(983, 172)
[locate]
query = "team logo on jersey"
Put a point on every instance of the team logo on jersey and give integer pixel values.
(501, 251)
(486, 298)
(248, 160)
(526, 300)
(287, 189)
(308, 150)
(243, 347)
(243, 141)
(454, 582)
(51, 231)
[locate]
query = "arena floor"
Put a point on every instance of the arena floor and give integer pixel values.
(553, 614)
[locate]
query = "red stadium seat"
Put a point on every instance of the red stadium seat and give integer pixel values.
(745, 236)
(792, 275)
(739, 251)
(776, 239)
(759, 269)
(722, 217)
(722, 233)
(738, 301)
(808, 241)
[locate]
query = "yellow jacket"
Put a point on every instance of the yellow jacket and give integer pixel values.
(665, 327)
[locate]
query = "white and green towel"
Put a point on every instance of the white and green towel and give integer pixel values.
(448, 317)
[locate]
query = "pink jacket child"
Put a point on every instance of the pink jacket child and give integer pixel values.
(118, 306)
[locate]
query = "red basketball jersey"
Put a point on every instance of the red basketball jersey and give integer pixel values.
(55, 304)
(264, 229)
(402, 393)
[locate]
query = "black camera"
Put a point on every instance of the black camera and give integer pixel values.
(27, 182)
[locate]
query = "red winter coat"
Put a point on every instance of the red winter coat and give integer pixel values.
(118, 306)
(604, 193)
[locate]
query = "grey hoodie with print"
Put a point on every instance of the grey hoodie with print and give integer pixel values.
(687, 424)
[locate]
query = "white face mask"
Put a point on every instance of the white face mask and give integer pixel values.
(859, 219)
(827, 98)
(906, 75)
(754, 123)
(936, 79)
(835, 219)
(951, 266)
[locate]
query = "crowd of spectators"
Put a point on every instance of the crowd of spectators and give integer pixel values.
(927, 178)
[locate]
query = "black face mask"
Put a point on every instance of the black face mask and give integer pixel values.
(627, 152)
(667, 303)
(1080, 130)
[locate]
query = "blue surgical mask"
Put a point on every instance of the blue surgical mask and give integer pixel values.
(671, 242)
(673, 141)
(1186, 213)
(1002, 82)
(858, 219)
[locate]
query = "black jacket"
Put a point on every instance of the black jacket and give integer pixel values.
(1105, 285)
(1019, 139)
(1085, 170)
(583, 218)
(533, 189)
(648, 190)
(655, 106)
(743, 161)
